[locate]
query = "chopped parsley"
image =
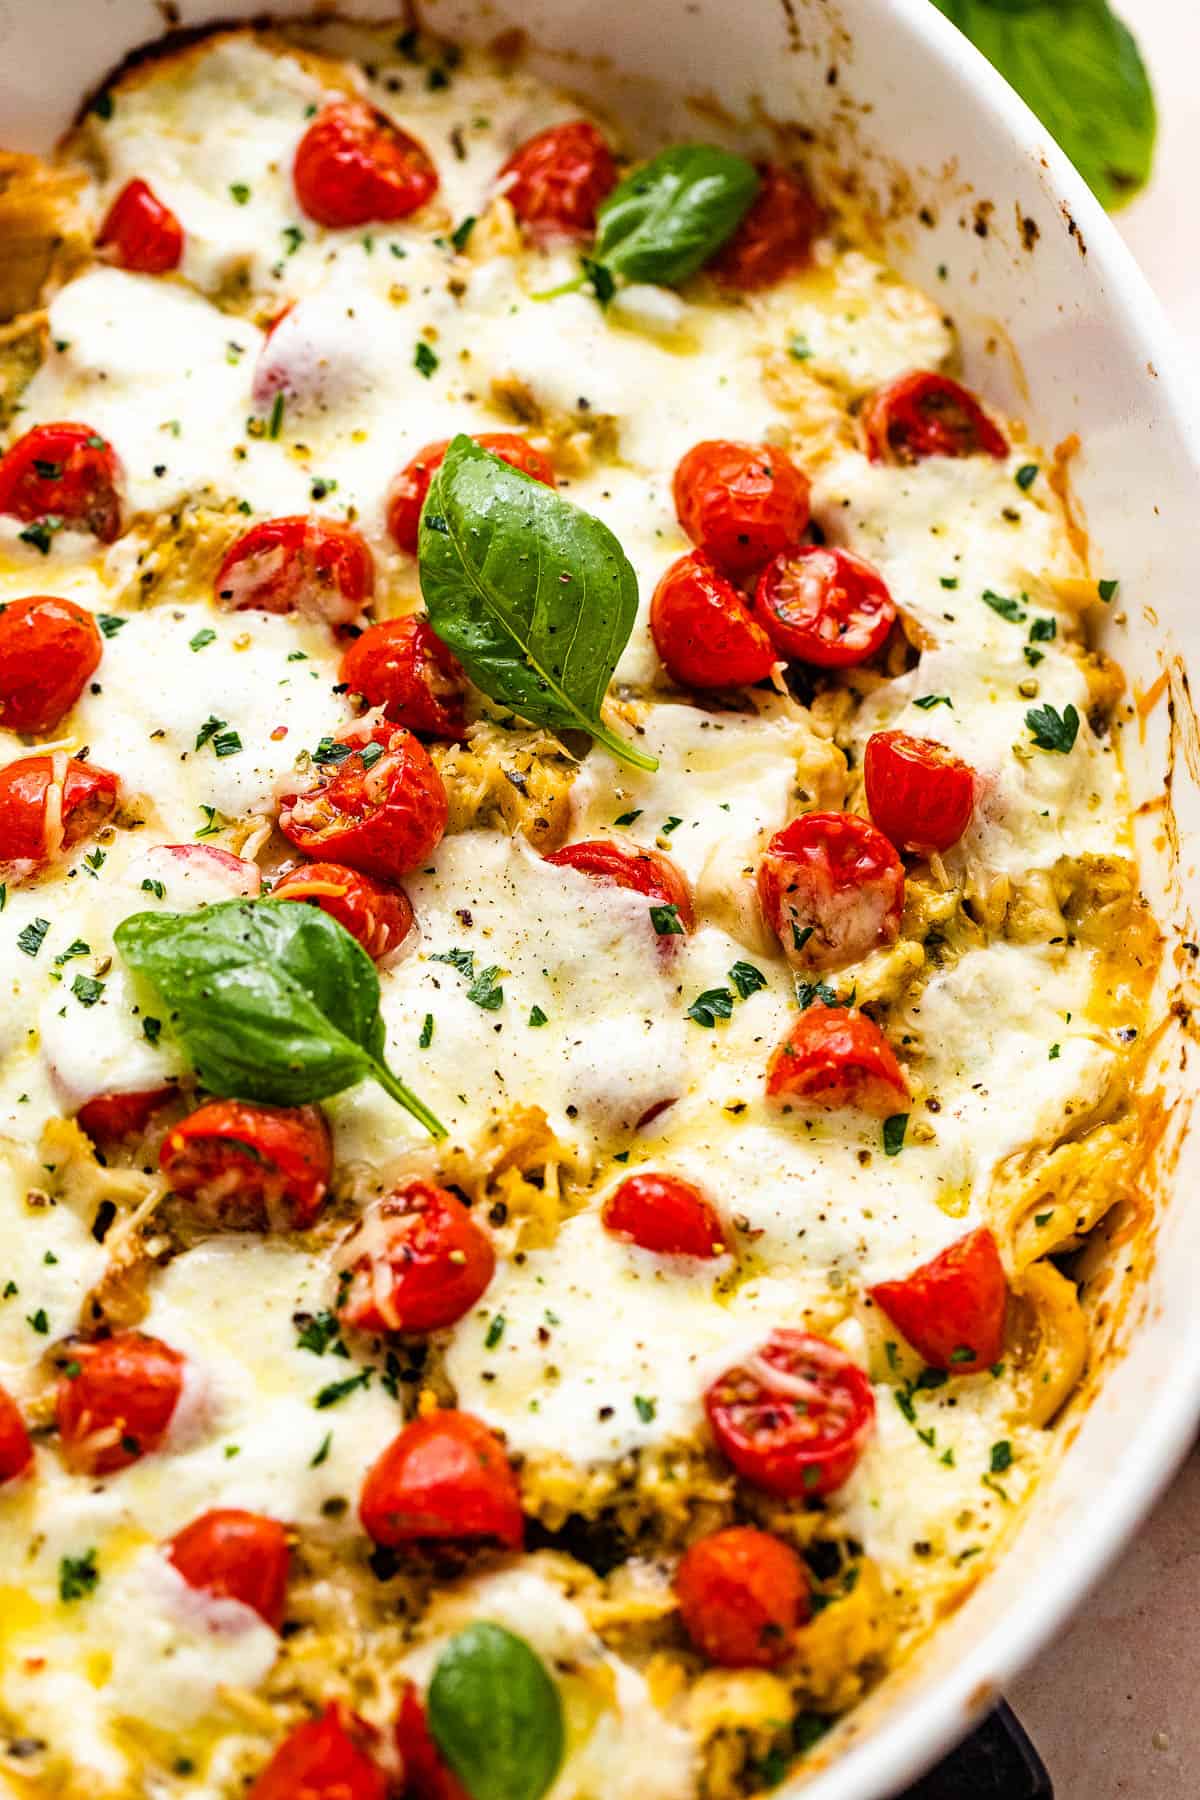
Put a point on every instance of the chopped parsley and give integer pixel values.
(110, 623)
(799, 348)
(1053, 730)
(495, 1331)
(39, 1322)
(41, 533)
(209, 730)
(708, 1007)
(214, 822)
(537, 1017)
(202, 639)
(462, 960)
(808, 993)
(460, 237)
(157, 888)
(928, 701)
(1006, 605)
(240, 192)
(894, 1128)
(77, 1576)
(1043, 631)
(486, 991)
(646, 1409)
(1026, 475)
(227, 743)
(1001, 1457)
(151, 1029)
(275, 422)
(293, 237)
(86, 989)
(32, 936)
(747, 979)
(322, 1451)
(669, 825)
(666, 921)
(337, 1390)
(318, 1333)
(426, 1037)
(948, 581)
(78, 948)
(425, 360)
(1107, 589)
(627, 818)
(1055, 1052)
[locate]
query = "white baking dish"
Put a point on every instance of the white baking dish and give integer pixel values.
(1058, 324)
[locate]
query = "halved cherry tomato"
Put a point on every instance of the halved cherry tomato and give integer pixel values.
(445, 1476)
(555, 180)
(918, 792)
(323, 1759)
(666, 1214)
(142, 233)
(248, 1167)
(426, 1776)
(922, 414)
(408, 491)
(741, 504)
(112, 1116)
(416, 1261)
(236, 1556)
(208, 864)
(703, 630)
(382, 810)
(48, 649)
(16, 1449)
(775, 236)
(794, 1418)
(824, 606)
(952, 1308)
(403, 666)
(354, 166)
(831, 888)
(641, 871)
(835, 1056)
(63, 475)
(378, 916)
(50, 804)
(116, 1400)
(741, 1595)
(299, 564)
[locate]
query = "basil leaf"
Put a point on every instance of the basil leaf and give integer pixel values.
(664, 221)
(270, 1000)
(495, 1715)
(535, 597)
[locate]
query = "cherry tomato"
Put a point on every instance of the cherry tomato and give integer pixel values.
(555, 180)
(666, 1214)
(16, 1449)
(110, 1117)
(116, 1400)
(824, 606)
(403, 666)
(952, 1308)
(355, 167)
(323, 1759)
(248, 1167)
(741, 504)
(775, 236)
(793, 1419)
(48, 649)
(213, 867)
(299, 564)
(641, 871)
(703, 630)
(416, 1261)
(408, 491)
(445, 1476)
(920, 794)
(378, 916)
(381, 814)
(831, 888)
(50, 804)
(236, 1556)
(741, 1595)
(922, 414)
(142, 233)
(835, 1056)
(63, 475)
(426, 1776)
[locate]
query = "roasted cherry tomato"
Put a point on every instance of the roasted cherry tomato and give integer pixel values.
(142, 233)
(922, 415)
(408, 491)
(403, 666)
(445, 1476)
(831, 888)
(952, 1308)
(380, 917)
(116, 1399)
(16, 1449)
(919, 793)
(299, 564)
(236, 1556)
(794, 1418)
(382, 810)
(63, 475)
(426, 1776)
(555, 181)
(835, 1056)
(355, 167)
(323, 1759)
(205, 863)
(824, 606)
(48, 648)
(741, 504)
(110, 1117)
(741, 1595)
(50, 804)
(641, 871)
(775, 236)
(703, 630)
(666, 1214)
(416, 1261)
(247, 1167)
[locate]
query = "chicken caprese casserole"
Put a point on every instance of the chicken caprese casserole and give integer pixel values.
(574, 971)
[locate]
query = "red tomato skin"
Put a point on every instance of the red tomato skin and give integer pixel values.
(445, 1477)
(795, 1453)
(48, 649)
(741, 504)
(704, 632)
(110, 1117)
(641, 871)
(825, 606)
(322, 1760)
(302, 564)
(16, 1448)
(426, 1776)
(81, 490)
(416, 1261)
(383, 820)
(555, 180)
(922, 414)
(919, 793)
(742, 1593)
(51, 804)
(952, 1304)
(354, 167)
(242, 878)
(124, 1395)
(142, 233)
(236, 1555)
(775, 236)
(833, 1057)
(403, 666)
(247, 1167)
(666, 1214)
(379, 917)
(408, 490)
(831, 888)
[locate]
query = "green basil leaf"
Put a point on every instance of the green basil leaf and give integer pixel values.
(271, 1001)
(495, 1715)
(664, 221)
(535, 597)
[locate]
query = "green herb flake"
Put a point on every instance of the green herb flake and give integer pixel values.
(293, 237)
(666, 921)
(426, 1037)
(812, 993)
(799, 348)
(110, 623)
(1026, 475)
(460, 237)
(948, 581)
(1006, 605)
(670, 824)
(322, 1451)
(628, 818)
(240, 192)
(202, 639)
(78, 1576)
(1107, 590)
(1053, 730)
(318, 1333)
(1001, 1457)
(462, 960)
(337, 1390)
(485, 991)
(40, 535)
(927, 702)
(894, 1128)
(87, 990)
(747, 979)
(1043, 631)
(151, 1029)
(214, 822)
(646, 1409)
(275, 422)
(1055, 1052)
(32, 936)
(495, 1331)
(708, 1007)
(425, 359)
(226, 743)
(537, 1017)
(39, 1322)
(77, 948)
